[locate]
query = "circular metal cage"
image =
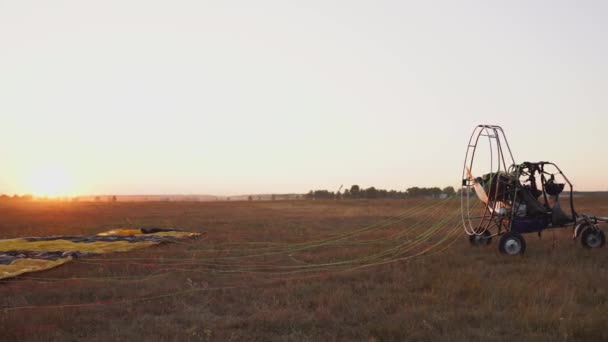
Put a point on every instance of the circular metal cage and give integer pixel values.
(485, 202)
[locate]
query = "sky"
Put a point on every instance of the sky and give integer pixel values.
(237, 97)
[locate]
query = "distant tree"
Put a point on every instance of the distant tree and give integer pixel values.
(424, 192)
(449, 190)
(250, 198)
(322, 194)
(97, 198)
(434, 192)
(371, 192)
(415, 192)
(354, 191)
(113, 199)
(273, 197)
(346, 193)
(468, 190)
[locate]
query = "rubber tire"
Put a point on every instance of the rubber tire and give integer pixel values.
(508, 237)
(480, 240)
(585, 234)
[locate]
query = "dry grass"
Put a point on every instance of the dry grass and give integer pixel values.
(555, 292)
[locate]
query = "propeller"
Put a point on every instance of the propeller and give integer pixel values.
(481, 193)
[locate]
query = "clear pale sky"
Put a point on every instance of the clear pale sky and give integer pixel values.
(233, 97)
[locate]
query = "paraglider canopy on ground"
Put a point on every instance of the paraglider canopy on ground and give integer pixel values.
(31, 254)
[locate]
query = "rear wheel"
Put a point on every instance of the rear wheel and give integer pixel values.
(480, 240)
(512, 243)
(592, 238)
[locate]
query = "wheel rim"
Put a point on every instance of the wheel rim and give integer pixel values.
(593, 240)
(512, 246)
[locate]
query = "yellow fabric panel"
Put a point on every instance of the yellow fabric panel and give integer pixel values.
(121, 231)
(20, 266)
(65, 245)
(176, 234)
(133, 232)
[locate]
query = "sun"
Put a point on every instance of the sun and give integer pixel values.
(50, 181)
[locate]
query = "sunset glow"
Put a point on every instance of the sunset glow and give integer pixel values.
(50, 181)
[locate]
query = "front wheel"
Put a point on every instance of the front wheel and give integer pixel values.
(512, 243)
(592, 238)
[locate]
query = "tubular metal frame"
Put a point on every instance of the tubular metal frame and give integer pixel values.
(497, 214)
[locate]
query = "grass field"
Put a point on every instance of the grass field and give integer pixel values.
(224, 287)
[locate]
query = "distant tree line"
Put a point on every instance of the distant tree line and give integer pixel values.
(16, 198)
(356, 192)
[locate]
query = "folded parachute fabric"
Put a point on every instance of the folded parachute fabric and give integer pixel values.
(23, 255)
